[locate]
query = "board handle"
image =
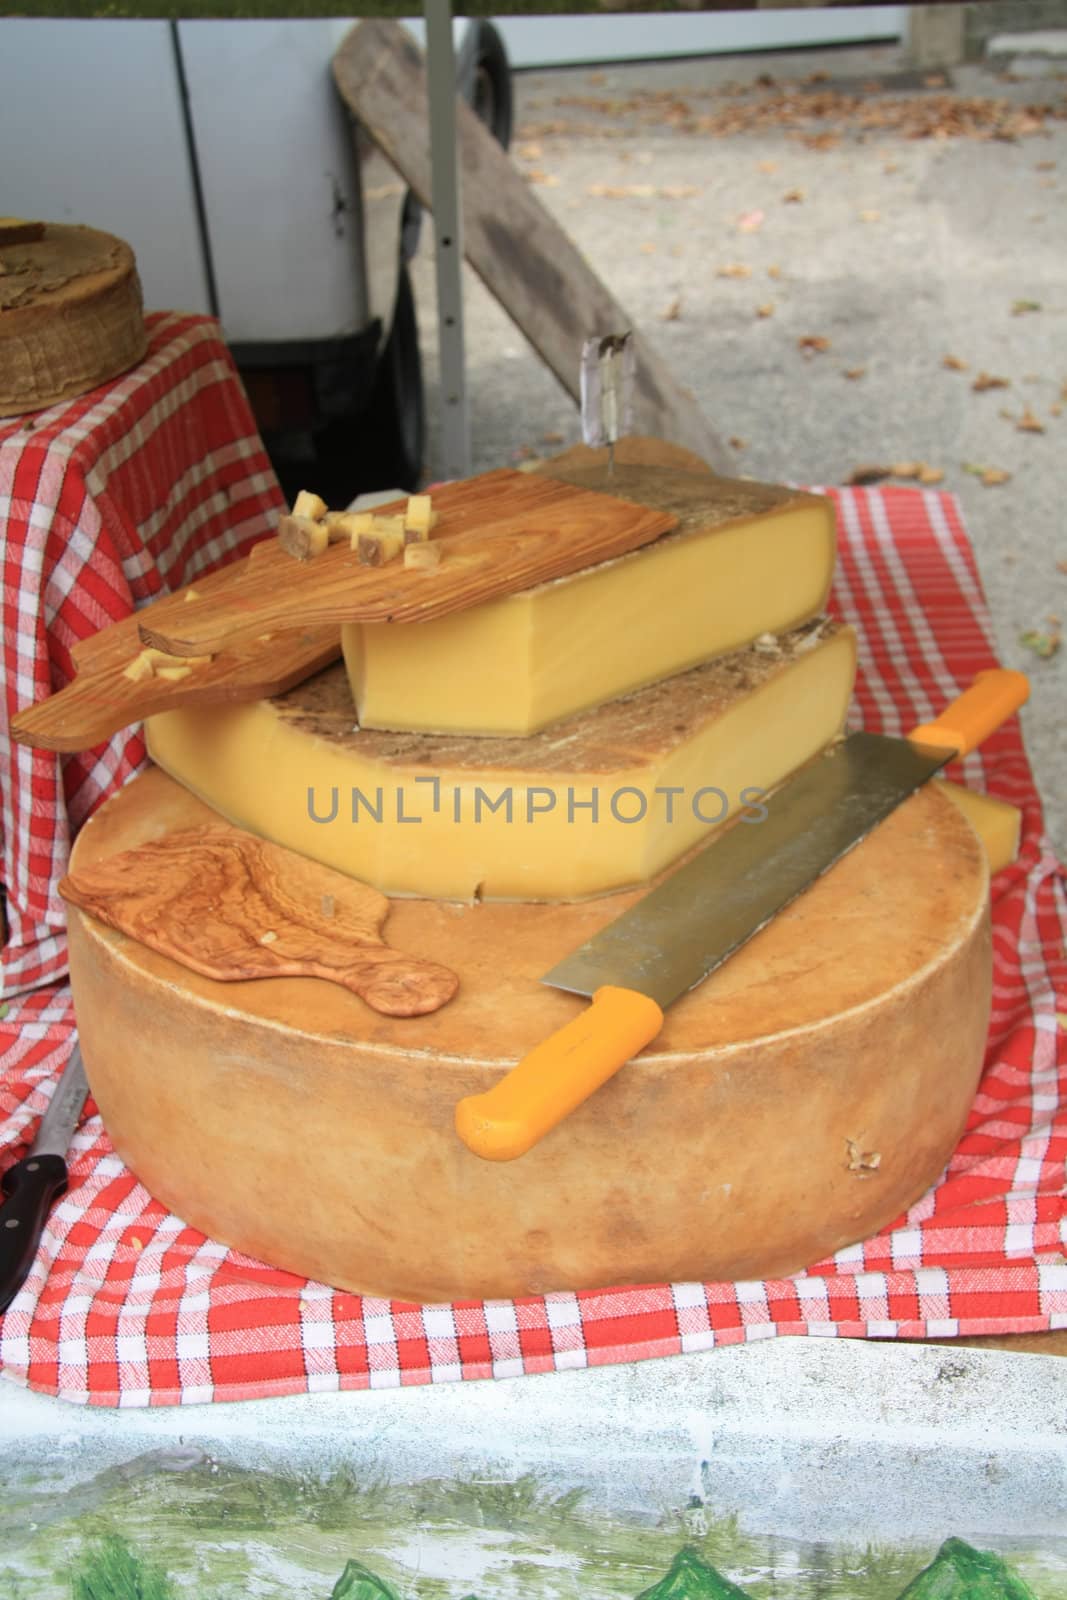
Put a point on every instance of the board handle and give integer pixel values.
(979, 711)
(557, 1075)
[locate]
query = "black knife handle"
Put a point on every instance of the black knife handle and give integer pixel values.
(31, 1187)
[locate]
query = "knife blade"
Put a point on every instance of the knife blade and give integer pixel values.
(681, 931)
(33, 1184)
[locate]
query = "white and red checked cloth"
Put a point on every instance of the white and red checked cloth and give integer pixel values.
(125, 1305)
(106, 502)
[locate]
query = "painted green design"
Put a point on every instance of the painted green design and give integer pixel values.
(959, 1572)
(691, 1578)
(112, 1571)
(357, 1582)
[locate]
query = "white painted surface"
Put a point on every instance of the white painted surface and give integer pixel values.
(808, 1438)
(91, 131)
(556, 41)
(276, 162)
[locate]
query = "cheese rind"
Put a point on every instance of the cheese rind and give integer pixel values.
(746, 559)
(608, 798)
(799, 1099)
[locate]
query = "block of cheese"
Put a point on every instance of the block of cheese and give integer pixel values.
(996, 822)
(605, 799)
(746, 559)
(798, 1100)
(70, 314)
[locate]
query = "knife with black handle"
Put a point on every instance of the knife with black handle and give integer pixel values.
(33, 1184)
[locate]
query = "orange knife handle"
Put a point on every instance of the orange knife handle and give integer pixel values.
(979, 711)
(556, 1076)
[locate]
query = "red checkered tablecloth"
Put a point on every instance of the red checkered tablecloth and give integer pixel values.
(126, 1305)
(106, 502)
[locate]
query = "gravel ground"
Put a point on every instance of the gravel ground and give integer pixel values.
(898, 250)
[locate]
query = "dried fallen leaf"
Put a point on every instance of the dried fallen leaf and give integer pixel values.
(813, 344)
(765, 310)
(547, 180)
(672, 312)
(774, 272)
(820, 141)
(679, 191)
(954, 364)
(768, 166)
(906, 469)
(853, 373)
(991, 477)
(738, 444)
(734, 269)
(930, 475)
(648, 248)
(1055, 409)
(552, 438)
(859, 476)
(622, 191)
(986, 380)
(891, 167)
(530, 151)
(1045, 166)
(935, 80)
(750, 222)
(1044, 645)
(1061, 566)
(1028, 423)
(794, 196)
(1019, 308)
(870, 216)
(597, 77)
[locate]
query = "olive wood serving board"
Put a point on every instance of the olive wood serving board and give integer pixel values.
(100, 700)
(231, 906)
(501, 532)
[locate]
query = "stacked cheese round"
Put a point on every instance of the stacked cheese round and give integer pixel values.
(798, 1100)
(71, 313)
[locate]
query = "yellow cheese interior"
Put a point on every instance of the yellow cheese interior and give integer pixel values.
(996, 822)
(713, 735)
(514, 665)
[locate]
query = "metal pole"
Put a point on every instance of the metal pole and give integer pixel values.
(448, 242)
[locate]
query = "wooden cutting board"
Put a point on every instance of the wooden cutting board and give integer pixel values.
(100, 699)
(501, 532)
(232, 907)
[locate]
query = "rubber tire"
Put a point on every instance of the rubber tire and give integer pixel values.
(492, 80)
(391, 433)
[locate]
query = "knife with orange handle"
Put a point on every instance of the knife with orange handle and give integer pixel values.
(694, 921)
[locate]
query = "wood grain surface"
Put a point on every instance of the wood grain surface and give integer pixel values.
(233, 907)
(100, 699)
(518, 249)
(499, 533)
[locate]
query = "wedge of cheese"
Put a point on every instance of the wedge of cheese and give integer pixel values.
(602, 800)
(745, 559)
(996, 822)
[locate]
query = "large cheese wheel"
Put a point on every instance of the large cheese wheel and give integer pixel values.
(70, 313)
(796, 1101)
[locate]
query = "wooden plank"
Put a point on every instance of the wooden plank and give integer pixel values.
(499, 533)
(100, 699)
(514, 244)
